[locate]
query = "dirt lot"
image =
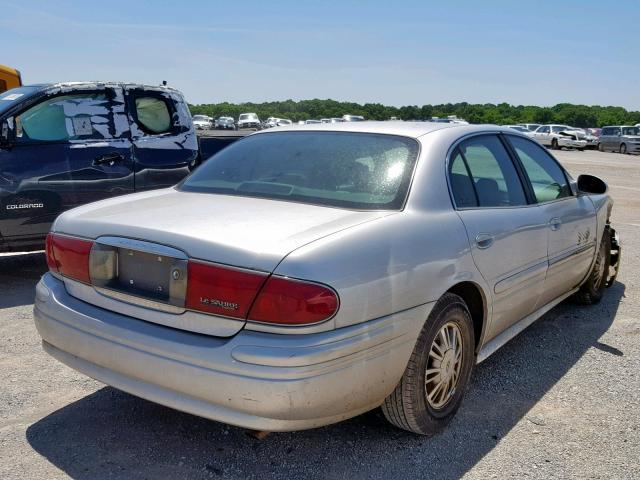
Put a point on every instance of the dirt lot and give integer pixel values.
(562, 400)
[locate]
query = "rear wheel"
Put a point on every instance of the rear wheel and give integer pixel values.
(438, 372)
(554, 144)
(600, 147)
(623, 148)
(592, 290)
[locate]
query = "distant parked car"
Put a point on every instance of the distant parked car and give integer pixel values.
(283, 122)
(336, 120)
(312, 122)
(521, 129)
(225, 123)
(558, 136)
(325, 120)
(620, 138)
(202, 122)
(248, 120)
(587, 136)
(353, 118)
(532, 127)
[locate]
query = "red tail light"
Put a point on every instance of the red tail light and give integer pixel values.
(222, 290)
(285, 301)
(69, 256)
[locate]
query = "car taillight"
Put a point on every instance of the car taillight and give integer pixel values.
(69, 256)
(287, 301)
(222, 290)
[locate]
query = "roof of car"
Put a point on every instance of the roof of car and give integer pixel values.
(100, 84)
(406, 129)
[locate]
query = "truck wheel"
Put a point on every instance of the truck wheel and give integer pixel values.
(623, 149)
(438, 372)
(600, 147)
(554, 144)
(592, 289)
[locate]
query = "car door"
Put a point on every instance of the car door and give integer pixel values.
(570, 219)
(604, 137)
(542, 135)
(165, 147)
(508, 235)
(64, 153)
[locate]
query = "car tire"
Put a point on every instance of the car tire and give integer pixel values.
(592, 289)
(581, 149)
(554, 144)
(623, 149)
(408, 407)
(600, 148)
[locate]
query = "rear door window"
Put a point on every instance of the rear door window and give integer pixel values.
(462, 188)
(494, 176)
(547, 178)
(153, 114)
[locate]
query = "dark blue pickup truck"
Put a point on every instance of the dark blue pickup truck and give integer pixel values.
(66, 144)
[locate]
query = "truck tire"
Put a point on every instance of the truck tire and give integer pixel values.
(623, 149)
(600, 147)
(592, 289)
(554, 144)
(432, 388)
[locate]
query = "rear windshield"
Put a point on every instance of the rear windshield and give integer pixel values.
(349, 170)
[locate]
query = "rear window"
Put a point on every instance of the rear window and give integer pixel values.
(349, 170)
(153, 115)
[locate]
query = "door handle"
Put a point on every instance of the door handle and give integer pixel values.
(108, 159)
(484, 240)
(555, 223)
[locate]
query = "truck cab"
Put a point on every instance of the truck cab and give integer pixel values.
(63, 145)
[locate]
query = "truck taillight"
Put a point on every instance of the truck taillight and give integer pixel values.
(221, 290)
(286, 301)
(69, 256)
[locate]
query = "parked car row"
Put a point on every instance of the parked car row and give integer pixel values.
(616, 138)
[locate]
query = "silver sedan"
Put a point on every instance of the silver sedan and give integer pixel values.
(305, 275)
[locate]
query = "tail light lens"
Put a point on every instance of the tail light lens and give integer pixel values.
(69, 256)
(222, 290)
(285, 301)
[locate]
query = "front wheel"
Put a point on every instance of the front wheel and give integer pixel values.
(600, 147)
(438, 372)
(623, 149)
(592, 289)
(554, 144)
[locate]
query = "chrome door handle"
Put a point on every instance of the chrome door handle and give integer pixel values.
(555, 224)
(484, 240)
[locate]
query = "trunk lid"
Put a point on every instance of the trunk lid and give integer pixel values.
(250, 233)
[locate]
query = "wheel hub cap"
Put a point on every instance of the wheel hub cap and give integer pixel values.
(443, 366)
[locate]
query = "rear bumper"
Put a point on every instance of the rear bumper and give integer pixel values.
(253, 380)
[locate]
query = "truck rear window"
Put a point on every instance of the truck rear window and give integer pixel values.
(342, 169)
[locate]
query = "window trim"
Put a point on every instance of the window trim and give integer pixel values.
(516, 158)
(108, 92)
(452, 149)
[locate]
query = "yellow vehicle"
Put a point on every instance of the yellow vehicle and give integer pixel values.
(9, 78)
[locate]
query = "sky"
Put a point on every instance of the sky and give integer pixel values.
(536, 52)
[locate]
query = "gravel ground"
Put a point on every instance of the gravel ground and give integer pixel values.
(559, 401)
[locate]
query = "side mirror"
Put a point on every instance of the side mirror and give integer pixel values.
(588, 184)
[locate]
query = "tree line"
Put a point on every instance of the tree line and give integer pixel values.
(501, 114)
